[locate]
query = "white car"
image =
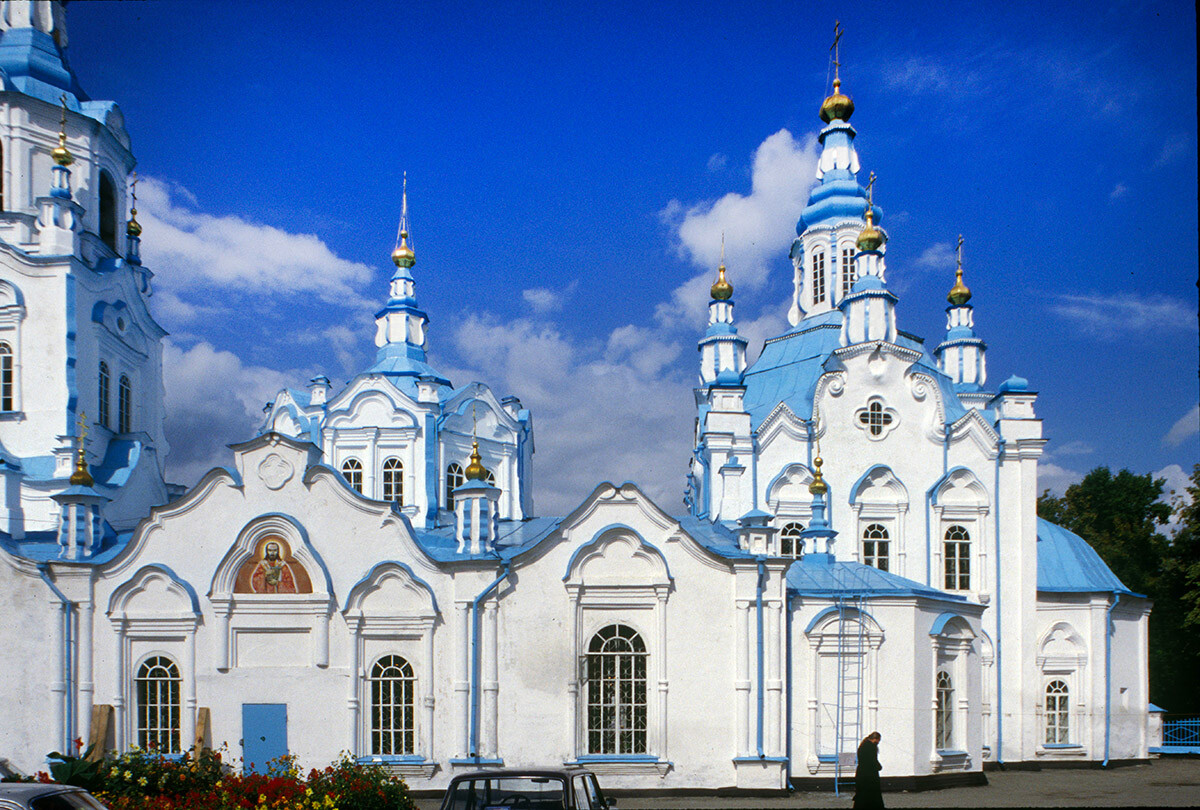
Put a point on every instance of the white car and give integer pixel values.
(38, 796)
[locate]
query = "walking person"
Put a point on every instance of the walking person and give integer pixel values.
(867, 791)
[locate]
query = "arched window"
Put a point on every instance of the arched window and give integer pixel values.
(848, 278)
(393, 728)
(157, 686)
(352, 472)
(957, 559)
(790, 542)
(616, 692)
(818, 276)
(455, 478)
(943, 721)
(102, 394)
(108, 211)
(875, 546)
(8, 379)
(124, 405)
(393, 480)
(875, 418)
(1058, 714)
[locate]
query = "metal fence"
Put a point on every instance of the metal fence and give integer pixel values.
(1180, 732)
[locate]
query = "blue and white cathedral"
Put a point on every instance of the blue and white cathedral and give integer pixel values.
(858, 547)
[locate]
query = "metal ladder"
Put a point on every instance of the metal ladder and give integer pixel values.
(851, 661)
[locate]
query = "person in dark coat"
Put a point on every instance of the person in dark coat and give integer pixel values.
(867, 791)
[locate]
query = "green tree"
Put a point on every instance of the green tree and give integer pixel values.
(1177, 608)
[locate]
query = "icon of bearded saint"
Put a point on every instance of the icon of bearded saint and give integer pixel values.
(272, 574)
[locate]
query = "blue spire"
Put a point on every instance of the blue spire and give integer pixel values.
(31, 61)
(818, 527)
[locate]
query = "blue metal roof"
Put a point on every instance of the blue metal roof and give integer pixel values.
(822, 575)
(514, 537)
(1067, 564)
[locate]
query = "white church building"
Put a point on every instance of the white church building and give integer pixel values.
(369, 574)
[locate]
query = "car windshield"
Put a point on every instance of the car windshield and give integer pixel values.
(507, 793)
(66, 801)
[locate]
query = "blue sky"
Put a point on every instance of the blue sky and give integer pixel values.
(571, 168)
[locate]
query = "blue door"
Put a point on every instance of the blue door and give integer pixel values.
(264, 735)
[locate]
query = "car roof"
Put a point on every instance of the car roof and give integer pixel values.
(27, 789)
(509, 773)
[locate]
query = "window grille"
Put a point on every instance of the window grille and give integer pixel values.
(352, 471)
(616, 692)
(1058, 717)
(393, 481)
(157, 686)
(7, 378)
(848, 277)
(124, 405)
(875, 418)
(957, 559)
(393, 714)
(455, 478)
(791, 544)
(944, 714)
(875, 546)
(818, 276)
(103, 394)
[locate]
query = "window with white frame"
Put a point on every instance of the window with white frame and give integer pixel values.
(791, 543)
(848, 277)
(124, 404)
(875, 546)
(8, 379)
(455, 478)
(102, 394)
(956, 558)
(393, 706)
(1058, 713)
(616, 692)
(943, 718)
(875, 418)
(157, 689)
(818, 276)
(352, 471)
(393, 480)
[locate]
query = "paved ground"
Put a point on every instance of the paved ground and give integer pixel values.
(1169, 782)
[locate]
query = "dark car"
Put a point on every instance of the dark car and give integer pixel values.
(562, 789)
(37, 796)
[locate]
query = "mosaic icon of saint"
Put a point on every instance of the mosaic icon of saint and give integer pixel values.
(272, 574)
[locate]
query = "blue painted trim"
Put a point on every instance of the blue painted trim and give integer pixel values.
(827, 611)
(407, 570)
(999, 615)
(474, 685)
(68, 729)
(1109, 629)
(390, 759)
(432, 473)
(952, 752)
(72, 386)
(753, 471)
(939, 624)
(870, 470)
(783, 472)
(1060, 746)
(612, 527)
(760, 759)
(477, 761)
(758, 609)
(171, 575)
(1174, 749)
(597, 758)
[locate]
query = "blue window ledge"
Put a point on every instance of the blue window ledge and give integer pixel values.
(760, 759)
(1060, 746)
(951, 753)
(593, 758)
(477, 761)
(390, 759)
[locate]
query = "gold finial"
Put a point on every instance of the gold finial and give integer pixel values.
(818, 485)
(836, 106)
(722, 290)
(403, 255)
(871, 237)
(81, 477)
(959, 293)
(133, 227)
(62, 156)
(475, 470)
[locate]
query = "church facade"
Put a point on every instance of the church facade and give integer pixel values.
(858, 547)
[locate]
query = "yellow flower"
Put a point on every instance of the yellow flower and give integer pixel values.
(142, 781)
(128, 776)
(262, 798)
(308, 791)
(115, 771)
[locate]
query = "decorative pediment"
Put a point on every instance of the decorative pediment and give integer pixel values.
(618, 556)
(1061, 647)
(271, 557)
(879, 486)
(154, 592)
(960, 491)
(787, 493)
(375, 407)
(391, 589)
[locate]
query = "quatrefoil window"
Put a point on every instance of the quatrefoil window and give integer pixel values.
(876, 419)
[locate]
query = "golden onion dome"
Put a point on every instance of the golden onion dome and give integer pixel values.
(871, 238)
(818, 485)
(959, 293)
(81, 477)
(722, 290)
(403, 255)
(475, 470)
(133, 227)
(61, 154)
(837, 106)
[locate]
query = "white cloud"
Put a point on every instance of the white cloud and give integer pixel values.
(717, 162)
(937, 257)
(1075, 448)
(1177, 480)
(212, 400)
(1119, 191)
(615, 410)
(194, 254)
(758, 227)
(543, 300)
(1111, 315)
(1056, 478)
(1187, 427)
(1175, 146)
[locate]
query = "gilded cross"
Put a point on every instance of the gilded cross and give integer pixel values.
(837, 36)
(871, 189)
(133, 189)
(960, 244)
(81, 422)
